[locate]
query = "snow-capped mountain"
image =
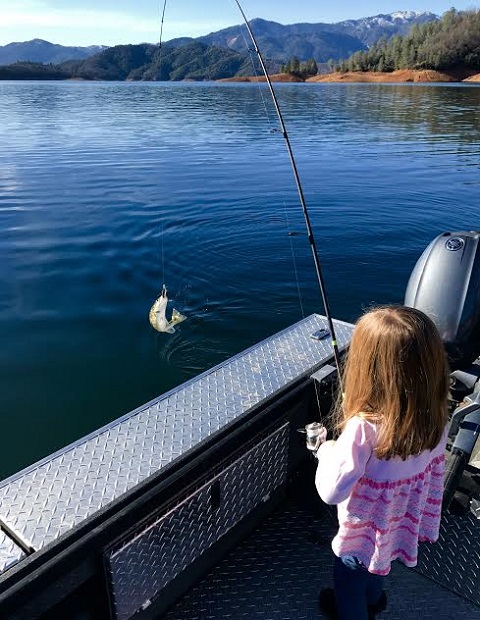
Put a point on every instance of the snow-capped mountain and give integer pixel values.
(370, 29)
(320, 41)
(277, 41)
(407, 15)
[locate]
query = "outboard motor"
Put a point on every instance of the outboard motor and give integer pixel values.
(445, 284)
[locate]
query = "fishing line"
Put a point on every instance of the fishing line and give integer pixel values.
(294, 261)
(160, 41)
(273, 130)
(298, 183)
(260, 90)
(163, 256)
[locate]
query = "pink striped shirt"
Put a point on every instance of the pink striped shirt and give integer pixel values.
(385, 507)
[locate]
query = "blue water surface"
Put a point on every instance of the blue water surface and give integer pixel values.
(107, 190)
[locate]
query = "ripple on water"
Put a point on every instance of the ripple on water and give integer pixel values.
(109, 190)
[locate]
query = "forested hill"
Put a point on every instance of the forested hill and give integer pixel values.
(453, 42)
(196, 61)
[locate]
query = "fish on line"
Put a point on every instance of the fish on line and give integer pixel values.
(157, 314)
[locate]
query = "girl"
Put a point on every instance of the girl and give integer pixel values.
(385, 471)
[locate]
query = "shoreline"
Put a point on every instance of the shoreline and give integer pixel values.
(402, 75)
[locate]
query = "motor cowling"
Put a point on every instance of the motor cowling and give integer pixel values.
(445, 284)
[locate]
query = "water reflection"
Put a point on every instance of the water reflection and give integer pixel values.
(107, 190)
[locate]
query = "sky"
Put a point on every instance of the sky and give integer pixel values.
(112, 22)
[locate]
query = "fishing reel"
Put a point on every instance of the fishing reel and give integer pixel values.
(316, 434)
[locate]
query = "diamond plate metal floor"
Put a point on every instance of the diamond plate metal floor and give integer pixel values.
(277, 572)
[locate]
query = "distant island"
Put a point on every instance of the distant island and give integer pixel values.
(412, 47)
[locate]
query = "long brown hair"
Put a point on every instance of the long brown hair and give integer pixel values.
(396, 375)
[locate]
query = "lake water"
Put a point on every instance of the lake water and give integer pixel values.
(108, 189)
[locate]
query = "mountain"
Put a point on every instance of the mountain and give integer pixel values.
(282, 42)
(38, 50)
(279, 43)
(450, 44)
(320, 41)
(195, 61)
(370, 29)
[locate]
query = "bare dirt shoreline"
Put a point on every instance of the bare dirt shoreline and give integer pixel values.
(404, 75)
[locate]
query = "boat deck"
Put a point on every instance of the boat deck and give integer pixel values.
(278, 571)
(48, 500)
(121, 523)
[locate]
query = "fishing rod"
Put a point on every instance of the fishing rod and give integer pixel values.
(298, 183)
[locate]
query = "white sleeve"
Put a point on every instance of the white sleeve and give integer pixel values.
(342, 463)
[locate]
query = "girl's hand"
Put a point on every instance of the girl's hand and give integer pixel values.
(330, 442)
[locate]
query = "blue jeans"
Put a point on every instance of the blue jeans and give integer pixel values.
(355, 588)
